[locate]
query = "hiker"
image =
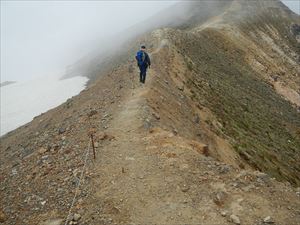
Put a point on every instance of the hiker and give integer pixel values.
(143, 61)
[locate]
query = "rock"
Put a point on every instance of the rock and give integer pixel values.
(220, 197)
(56, 221)
(42, 150)
(111, 137)
(14, 171)
(61, 130)
(224, 169)
(185, 188)
(43, 203)
(156, 115)
(298, 191)
(92, 112)
(96, 144)
(197, 119)
(76, 217)
(3, 217)
(45, 157)
(268, 219)
(181, 88)
(102, 136)
(206, 150)
(26, 152)
(175, 131)
(262, 177)
(235, 219)
(223, 213)
(147, 124)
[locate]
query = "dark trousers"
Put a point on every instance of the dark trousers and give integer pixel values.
(143, 71)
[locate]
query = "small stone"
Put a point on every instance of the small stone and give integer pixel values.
(156, 115)
(181, 88)
(298, 191)
(14, 171)
(220, 197)
(76, 217)
(3, 217)
(206, 150)
(61, 130)
(235, 219)
(197, 119)
(224, 169)
(102, 136)
(262, 177)
(185, 188)
(223, 213)
(268, 219)
(92, 112)
(53, 222)
(43, 202)
(45, 157)
(175, 131)
(42, 151)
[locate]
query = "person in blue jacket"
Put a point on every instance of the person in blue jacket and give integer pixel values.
(143, 62)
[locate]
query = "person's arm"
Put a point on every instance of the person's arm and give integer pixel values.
(148, 60)
(137, 59)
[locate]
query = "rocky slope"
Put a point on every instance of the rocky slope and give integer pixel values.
(212, 138)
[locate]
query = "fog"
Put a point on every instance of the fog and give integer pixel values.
(40, 38)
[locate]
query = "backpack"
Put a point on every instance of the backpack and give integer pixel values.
(141, 57)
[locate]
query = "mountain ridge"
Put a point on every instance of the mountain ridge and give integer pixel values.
(209, 138)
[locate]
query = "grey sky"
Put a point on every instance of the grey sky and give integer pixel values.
(42, 37)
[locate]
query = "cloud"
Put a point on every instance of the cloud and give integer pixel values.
(42, 37)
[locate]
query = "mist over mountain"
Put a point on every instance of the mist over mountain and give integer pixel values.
(213, 137)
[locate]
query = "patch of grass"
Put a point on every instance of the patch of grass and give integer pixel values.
(262, 124)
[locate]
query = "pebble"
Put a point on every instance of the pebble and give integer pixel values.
(220, 197)
(45, 157)
(76, 217)
(156, 115)
(235, 219)
(268, 219)
(14, 171)
(102, 136)
(61, 130)
(185, 188)
(3, 217)
(223, 213)
(42, 151)
(43, 202)
(53, 222)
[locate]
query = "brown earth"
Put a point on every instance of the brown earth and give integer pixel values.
(164, 154)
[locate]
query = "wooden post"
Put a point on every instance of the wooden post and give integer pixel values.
(93, 145)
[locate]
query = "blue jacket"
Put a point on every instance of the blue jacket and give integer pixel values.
(142, 58)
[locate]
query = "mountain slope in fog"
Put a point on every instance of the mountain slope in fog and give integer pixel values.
(212, 138)
(248, 53)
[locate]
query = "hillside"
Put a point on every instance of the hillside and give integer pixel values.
(5, 83)
(212, 138)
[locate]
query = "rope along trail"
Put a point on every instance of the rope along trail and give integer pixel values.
(86, 153)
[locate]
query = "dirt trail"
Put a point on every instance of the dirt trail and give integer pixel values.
(136, 179)
(149, 175)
